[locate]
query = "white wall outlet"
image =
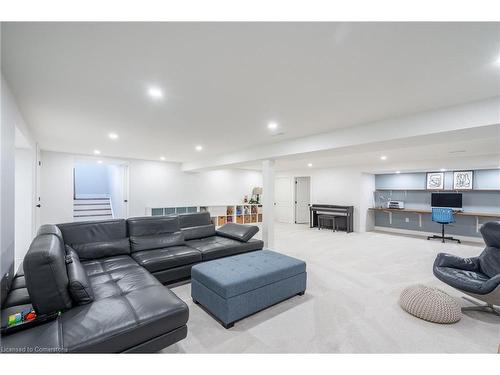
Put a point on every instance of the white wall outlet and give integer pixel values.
(407, 220)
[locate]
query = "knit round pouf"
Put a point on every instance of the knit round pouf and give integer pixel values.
(430, 304)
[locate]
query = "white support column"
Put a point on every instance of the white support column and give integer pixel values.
(268, 203)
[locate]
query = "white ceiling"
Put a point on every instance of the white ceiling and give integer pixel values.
(76, 82)
(469, 148)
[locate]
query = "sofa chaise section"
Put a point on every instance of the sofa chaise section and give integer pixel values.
(130, 311)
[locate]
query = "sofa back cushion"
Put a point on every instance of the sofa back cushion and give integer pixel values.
(156, 241)
(46, 275)
(202, 231)
(148, 233)
(489, 260)
(97, 239)
(79, 285)
(194, 219)
(104, 249)
(150, 225)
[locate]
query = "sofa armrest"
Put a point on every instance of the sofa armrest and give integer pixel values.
(452, 261)
(238, 232)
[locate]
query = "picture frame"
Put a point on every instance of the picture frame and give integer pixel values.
(463, 180)
(435, 181)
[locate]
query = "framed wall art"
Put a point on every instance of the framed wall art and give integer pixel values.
(435, 180)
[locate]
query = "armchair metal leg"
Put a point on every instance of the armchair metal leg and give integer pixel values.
(480, 307)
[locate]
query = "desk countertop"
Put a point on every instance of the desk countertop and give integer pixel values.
(419, 211)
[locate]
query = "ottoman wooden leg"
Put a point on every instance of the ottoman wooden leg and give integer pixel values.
(227, 326)
(195, 302)
(301, 293)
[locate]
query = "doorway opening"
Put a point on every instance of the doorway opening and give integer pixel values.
(302, 199)
(100, 190)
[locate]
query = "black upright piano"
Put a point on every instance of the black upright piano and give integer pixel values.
(344, 215)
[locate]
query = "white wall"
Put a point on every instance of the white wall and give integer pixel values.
(91, 179)
(340, 186)
(157, 184)
(18, 152)
(151, 184)
(24, 204)
(9, 118)
(56, 187)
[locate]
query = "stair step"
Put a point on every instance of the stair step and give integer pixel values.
(95, 208)
(108, 214)
(91, 204)
(91, 218)
(91, 201)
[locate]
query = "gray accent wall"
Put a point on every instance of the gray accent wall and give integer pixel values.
(418, 198)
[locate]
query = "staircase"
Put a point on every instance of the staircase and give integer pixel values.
(87, 209)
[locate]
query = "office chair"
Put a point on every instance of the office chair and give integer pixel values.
(443, 216)
(479, 277)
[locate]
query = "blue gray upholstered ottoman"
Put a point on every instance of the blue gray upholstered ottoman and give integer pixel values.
(234, 287)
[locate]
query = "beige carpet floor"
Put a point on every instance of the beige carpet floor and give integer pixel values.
(351, 302)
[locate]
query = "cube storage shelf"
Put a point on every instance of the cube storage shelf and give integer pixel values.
(246, 213)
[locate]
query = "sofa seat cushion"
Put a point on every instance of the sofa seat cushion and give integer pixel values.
(98, 266)
(17, 297)
(217, 247)
(120, 322)
(170, 257)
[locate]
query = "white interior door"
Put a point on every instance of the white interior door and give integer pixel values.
(283, 200)
(302, 199)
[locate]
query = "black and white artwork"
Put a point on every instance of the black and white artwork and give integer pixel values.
(435, 181)
(462, 180)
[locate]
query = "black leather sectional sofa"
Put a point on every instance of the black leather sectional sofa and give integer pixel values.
(99, 284)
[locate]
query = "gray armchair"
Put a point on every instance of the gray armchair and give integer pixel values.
(479, 277)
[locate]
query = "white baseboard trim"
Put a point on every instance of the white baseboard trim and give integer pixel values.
(418, 233)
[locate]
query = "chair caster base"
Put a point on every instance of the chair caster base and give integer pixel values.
(435, 237)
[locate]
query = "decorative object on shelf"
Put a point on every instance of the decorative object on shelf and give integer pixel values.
(245, 199)
(463, 180)
(256, 193)
(430, 304)
(435, 180)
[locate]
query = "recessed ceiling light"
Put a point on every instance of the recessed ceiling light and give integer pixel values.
(272, 125)
(97, 152)
(198, 148)
(162, 158)
(113, 136)
(309, 165)
(497, 62)
(155, 92)
(383, 157)
(443, 169)
(398, 172)
(99, 162)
